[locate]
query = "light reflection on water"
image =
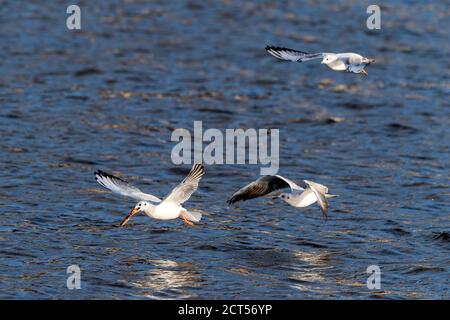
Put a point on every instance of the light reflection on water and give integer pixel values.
(168, 278)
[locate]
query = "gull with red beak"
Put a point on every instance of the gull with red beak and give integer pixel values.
(167, 209)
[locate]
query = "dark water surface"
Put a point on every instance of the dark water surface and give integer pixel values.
(109, 97)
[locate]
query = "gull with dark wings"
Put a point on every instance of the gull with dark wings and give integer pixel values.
(298, 197)
(348, 61)
(167, 209)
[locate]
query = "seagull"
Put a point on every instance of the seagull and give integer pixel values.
(167, 209)
(298, 197)
(349, 61)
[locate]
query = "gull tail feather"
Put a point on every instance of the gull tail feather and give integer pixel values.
(193, 216)
(331, 196)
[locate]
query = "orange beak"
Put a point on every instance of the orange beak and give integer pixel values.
(128, 217)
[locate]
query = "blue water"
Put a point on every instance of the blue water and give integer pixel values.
(109, 96)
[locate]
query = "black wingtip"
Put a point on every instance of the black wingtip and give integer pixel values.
(236, 198)
(198, 170)
(268, 48)
(101, 173)
(274, 48)
(232, 202)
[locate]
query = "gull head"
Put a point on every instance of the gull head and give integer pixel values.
(328, 58)
(140, 206)
(285, 196)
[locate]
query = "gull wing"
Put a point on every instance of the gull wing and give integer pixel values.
(187, 187)
(120, 186)
(294, 187)
(321, 199)
(318, 186)
(292, 55)
(350, 58)
(262, 187)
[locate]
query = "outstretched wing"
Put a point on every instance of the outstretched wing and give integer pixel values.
(120, 186)
(321, 199)
(318, 186)
(262, 187)
(187, 187)
(292, 55)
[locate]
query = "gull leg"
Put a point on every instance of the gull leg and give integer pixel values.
(364, 72)
(186, 220)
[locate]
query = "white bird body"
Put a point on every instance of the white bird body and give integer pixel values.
(301, 200)
(167, 209)
(337, 65)
(347, 61)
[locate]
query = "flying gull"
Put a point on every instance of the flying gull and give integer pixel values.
(349, 61)
(167, 209)
(298, 197)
